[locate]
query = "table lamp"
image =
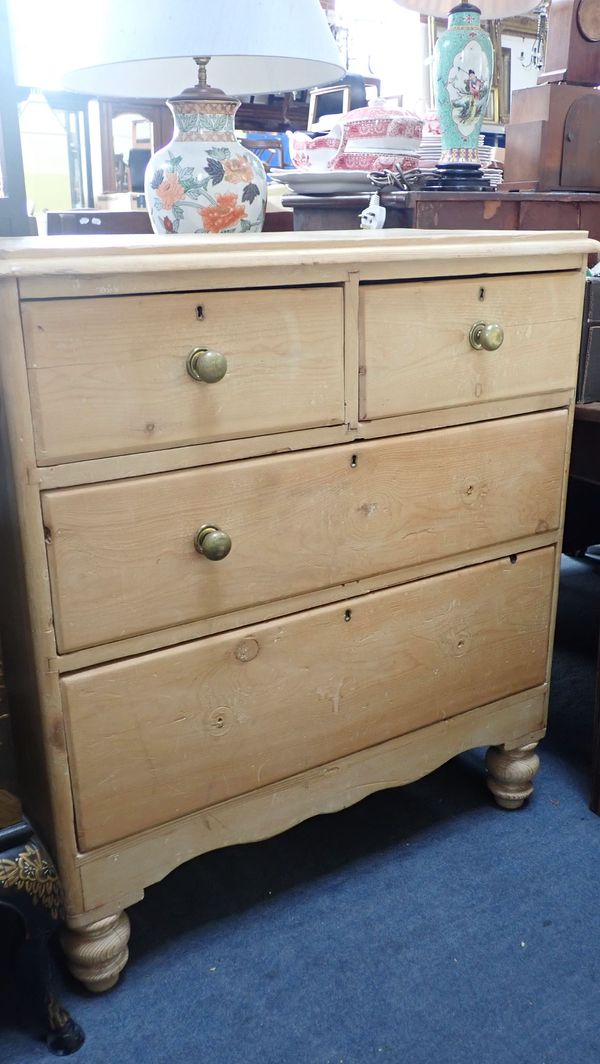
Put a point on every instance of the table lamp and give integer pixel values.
(463, 69)
(204, 180)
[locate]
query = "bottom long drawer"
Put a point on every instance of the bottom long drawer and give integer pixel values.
(156, 737)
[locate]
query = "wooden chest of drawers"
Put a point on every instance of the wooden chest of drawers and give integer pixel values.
(282, 524)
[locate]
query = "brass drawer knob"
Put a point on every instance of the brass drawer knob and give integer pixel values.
(212, 542)
(205, 365)
(488, 337)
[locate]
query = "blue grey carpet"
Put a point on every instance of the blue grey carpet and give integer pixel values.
(421, 925)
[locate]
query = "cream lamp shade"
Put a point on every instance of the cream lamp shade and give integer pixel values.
(144, 50)
(490, 9)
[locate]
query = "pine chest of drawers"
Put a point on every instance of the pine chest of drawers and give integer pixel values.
(282, 521)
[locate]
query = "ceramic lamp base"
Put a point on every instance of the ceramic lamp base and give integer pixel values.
(463, 65)
(204, 180)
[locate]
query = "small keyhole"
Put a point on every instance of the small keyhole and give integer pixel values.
(482, 294)
(348, 615)
(513, 559)
(354, 461)
(200, 313)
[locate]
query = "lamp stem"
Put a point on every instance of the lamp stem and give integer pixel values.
(202, 62)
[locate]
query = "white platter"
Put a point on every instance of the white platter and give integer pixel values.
(315, 182)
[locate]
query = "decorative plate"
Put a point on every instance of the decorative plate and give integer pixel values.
(313, 182)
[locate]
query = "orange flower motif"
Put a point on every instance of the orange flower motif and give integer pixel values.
(226, 213)
(237, 170)
(170, 190)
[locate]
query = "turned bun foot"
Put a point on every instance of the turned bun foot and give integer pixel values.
(510, 774)
(97, 954)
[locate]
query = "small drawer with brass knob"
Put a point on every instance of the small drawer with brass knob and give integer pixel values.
(425, 344)
(158, 374)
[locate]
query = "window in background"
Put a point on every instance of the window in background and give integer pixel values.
(55, 145)
(390, 43)
(13, 209)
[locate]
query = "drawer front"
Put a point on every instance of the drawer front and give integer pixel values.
(122, 555)
(153, 738)
(108, 376)
(415, 349)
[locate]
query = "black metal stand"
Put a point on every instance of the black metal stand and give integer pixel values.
(459, 177)
(29, 886)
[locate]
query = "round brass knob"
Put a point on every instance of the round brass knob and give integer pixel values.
(212, 542)
(205, 365)
(488, 337)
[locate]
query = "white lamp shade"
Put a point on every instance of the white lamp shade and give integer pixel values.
(490, 9)
(145, 49)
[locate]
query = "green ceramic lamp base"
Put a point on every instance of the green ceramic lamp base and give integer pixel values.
(463, 65)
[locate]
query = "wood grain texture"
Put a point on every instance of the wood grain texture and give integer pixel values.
(122, 556)
(120, 871)
(184, 633)
(62, 266)
(193, 726)
(27, 257)
(412, 332)
(132, 465)
(108, 376)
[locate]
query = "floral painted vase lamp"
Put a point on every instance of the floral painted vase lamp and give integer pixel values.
(204, 180)
(463, 71)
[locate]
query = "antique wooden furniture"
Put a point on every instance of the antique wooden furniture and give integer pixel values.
(588, 386)
(99, 223)
(551, 140)
(289, 510)
(94, 223)
(453, 210)
(277, 113)
(582, 519)
(582, 530)
(573, 45)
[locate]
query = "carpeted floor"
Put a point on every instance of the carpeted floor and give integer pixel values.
(422, 925)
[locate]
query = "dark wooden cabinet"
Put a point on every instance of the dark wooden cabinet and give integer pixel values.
(573, 46)
(454, 210)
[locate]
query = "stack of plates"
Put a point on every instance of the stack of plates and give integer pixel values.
(431, 149)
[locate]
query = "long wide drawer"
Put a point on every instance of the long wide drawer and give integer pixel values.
(109, 376)
(153, 738)
(123, 559)
(415, 349)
